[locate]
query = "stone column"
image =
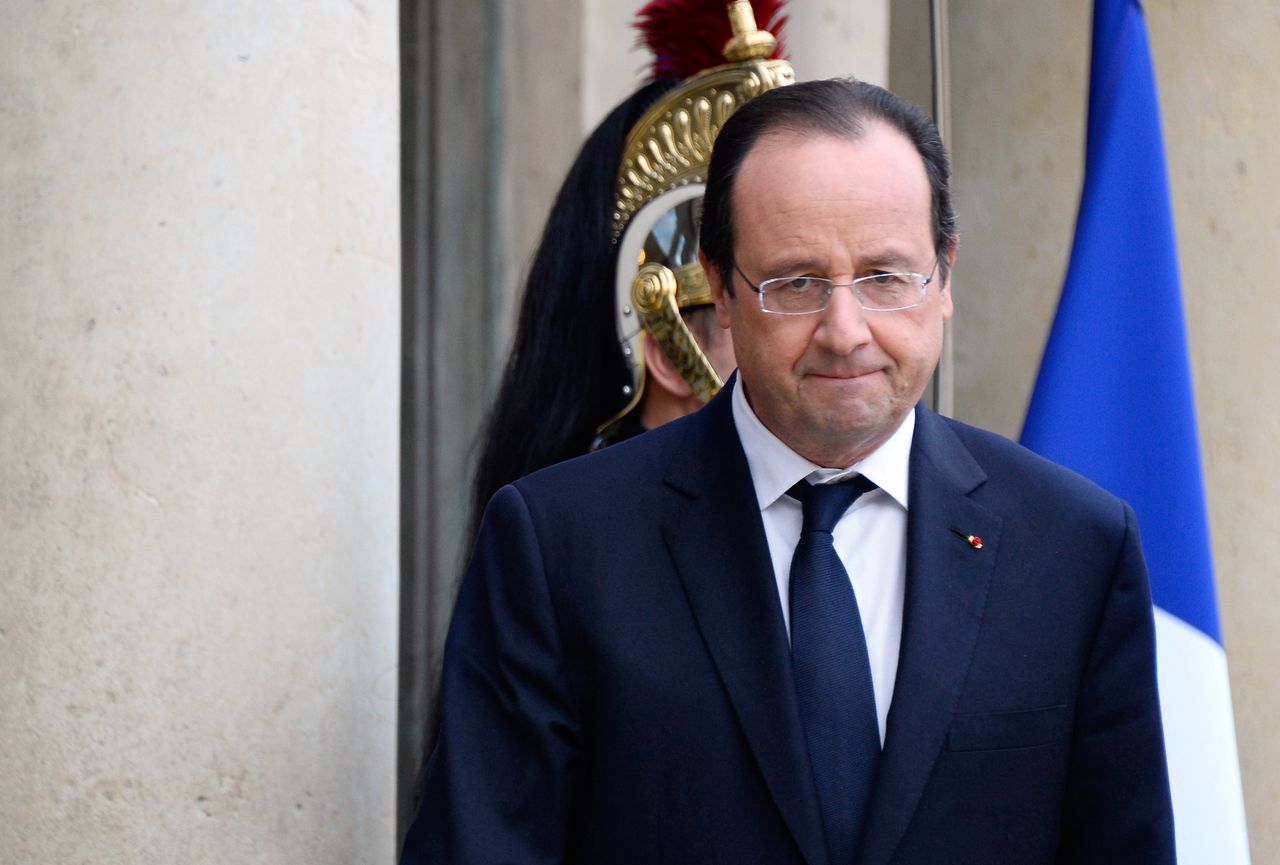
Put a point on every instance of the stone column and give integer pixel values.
(199, 285)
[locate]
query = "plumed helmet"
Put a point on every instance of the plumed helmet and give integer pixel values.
(663, 170)
(618, 254)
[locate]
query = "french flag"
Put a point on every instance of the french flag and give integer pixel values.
(1113, 401)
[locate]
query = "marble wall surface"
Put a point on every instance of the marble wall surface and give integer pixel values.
(199, 326)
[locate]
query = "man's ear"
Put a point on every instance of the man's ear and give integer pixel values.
(719, 295)
(660, 371)
(947, 301)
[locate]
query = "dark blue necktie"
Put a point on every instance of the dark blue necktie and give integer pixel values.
(831, 669)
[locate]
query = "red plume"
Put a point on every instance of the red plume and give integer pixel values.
(688, 36)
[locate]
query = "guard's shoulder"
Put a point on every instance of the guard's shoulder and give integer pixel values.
(626, 468)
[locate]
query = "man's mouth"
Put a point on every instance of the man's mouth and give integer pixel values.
(844, 375)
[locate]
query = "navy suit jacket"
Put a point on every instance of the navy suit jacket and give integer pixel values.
(617, 681)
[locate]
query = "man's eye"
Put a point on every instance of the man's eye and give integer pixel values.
(884, 278)
(798, 283)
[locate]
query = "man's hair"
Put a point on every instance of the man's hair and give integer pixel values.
(837, 108)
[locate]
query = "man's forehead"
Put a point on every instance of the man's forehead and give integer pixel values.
(796, 187)
(791, 166)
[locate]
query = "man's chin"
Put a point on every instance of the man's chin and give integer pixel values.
(837, 439)
(854, 414)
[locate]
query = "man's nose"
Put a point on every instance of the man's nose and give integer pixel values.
(843, 325)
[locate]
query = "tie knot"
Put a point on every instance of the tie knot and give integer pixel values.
(824, 504)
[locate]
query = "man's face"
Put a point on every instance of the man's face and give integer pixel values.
(833, 385)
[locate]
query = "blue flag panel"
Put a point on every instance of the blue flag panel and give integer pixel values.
(1113, 399)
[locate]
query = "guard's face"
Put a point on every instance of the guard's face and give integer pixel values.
(833, 385)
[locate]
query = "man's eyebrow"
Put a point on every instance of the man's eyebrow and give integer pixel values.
(885, 258)
(795, 267)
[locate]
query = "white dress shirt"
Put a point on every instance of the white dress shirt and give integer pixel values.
(871, 537)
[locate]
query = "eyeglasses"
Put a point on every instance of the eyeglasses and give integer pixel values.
(805, 295)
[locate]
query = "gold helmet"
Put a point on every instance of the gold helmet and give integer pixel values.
(618, 254)
(657, 205)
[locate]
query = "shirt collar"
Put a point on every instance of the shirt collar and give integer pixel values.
(775, 467)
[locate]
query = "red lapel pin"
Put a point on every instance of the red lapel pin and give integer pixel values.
(973, 540)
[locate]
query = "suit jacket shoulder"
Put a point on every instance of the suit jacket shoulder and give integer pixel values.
(1018, 480)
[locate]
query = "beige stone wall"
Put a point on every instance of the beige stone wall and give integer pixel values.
(835, 38)
(1019, 88)
(1019, 91)
(199, 287)
(1217, 68)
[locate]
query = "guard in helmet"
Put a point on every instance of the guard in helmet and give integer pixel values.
(616, 333)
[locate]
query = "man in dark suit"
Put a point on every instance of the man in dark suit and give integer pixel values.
(679, 650)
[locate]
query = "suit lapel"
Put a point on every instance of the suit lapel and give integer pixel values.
(716, 541)
(947, 580)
